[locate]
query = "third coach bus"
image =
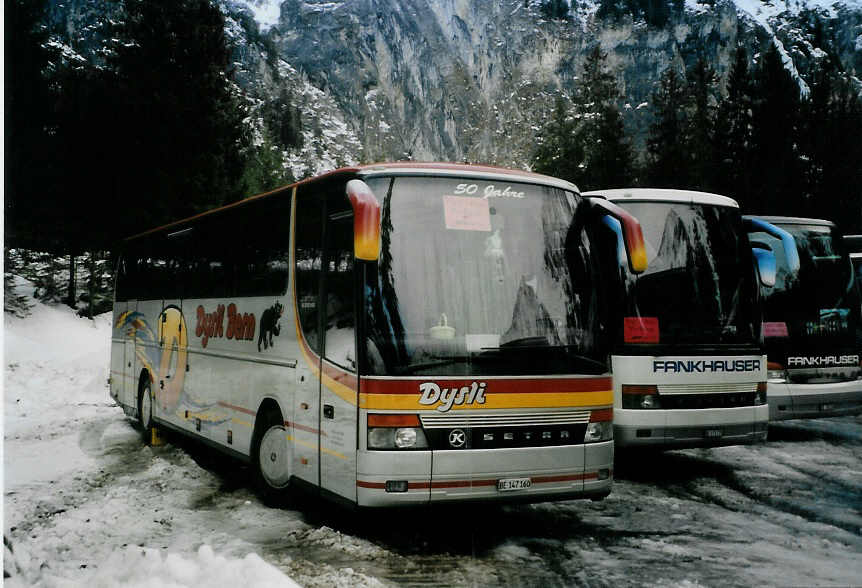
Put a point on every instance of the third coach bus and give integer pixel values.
(688, 365)
(385, 334)
(812, 326)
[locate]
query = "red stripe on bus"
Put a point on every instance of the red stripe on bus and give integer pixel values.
(567, 478)
(304, 428)
(372, 485)
(237, 408)
(494, 386)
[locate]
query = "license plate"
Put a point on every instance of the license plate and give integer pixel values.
(509, 484)
(824, 407)
(712, 433)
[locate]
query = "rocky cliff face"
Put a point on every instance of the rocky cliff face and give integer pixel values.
(475, 79)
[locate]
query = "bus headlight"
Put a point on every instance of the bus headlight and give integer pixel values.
(405, 438)
(395, 431)
(601, 426)
(641, 396)
(777, 376)
(775, 372)
(601, 431)
(401, 438)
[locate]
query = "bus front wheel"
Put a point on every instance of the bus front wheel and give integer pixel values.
(271, 457)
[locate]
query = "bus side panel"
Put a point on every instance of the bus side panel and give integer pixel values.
(236, 356)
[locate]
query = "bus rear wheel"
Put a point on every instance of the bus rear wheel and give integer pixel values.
(271, 457)
(145, 408)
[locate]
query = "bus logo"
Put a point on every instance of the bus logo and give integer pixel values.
(457, 438)
(449, 397)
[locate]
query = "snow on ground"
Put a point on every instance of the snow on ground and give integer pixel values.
(86, 502)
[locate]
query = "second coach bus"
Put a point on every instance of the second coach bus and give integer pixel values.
(688, 364)
(386, 334)
(812, 326)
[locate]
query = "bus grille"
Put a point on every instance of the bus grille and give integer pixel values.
(506, 430)
(463, 419)
(718, 388)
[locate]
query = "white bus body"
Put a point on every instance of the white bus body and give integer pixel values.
(387, 334)
(688, 367)
(812, 327)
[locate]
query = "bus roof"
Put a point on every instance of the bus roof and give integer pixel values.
(413, 168)
(663, 195)
(404, 168)
(792, 220)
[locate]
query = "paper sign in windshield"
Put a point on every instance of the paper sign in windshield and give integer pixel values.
(775, 329)
(467, 214)
(640, 329)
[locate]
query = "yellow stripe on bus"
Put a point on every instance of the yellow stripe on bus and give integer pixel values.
(528, 400)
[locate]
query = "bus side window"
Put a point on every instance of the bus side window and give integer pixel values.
(308, 259)
(339, 321)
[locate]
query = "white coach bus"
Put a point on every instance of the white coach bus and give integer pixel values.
(812, 326)
(688, 366)
(385, 334)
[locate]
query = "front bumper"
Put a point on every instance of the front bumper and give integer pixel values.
(563, 472)
(676, 429)
(810, 401)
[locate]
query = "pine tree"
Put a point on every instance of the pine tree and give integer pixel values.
(607, 159)
(557, 153)
(832, 125)
(666, 144)
(701, 168)
(28, 125)
(732, 136)
(777, 174)
(183, 128)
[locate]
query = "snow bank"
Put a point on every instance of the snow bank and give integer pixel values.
(146, 568)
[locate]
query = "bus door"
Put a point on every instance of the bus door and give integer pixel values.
(339, 384)
(308, 262)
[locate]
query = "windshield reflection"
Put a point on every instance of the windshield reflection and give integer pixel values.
(699, 284)
(480, 277)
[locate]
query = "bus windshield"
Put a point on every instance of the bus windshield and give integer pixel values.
(480, 277)
(699, 285)
(817, 309)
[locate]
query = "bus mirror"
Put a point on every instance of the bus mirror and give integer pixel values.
(633, 237)
(791, 253)
(614, 225)
(366, 220)
(766, 267)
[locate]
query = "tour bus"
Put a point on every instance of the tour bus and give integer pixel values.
(812, 327)
(386, 334)
(688, 365)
